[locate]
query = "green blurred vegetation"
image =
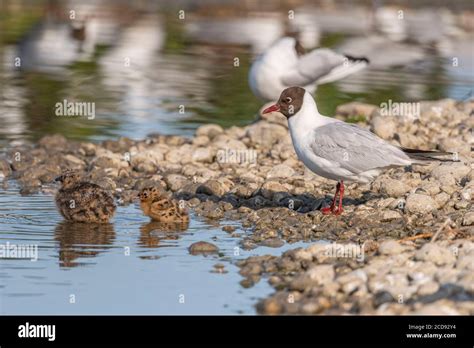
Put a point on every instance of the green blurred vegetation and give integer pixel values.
(356, 119)
(331, 39)
(44, 91)
(13, 26)
(175, 40)
(91, 66)
(43, 94)
(233, 101)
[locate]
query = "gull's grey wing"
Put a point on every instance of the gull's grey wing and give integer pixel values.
(312, 66)
(354, 148)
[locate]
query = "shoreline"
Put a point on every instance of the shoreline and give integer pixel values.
(251, 174)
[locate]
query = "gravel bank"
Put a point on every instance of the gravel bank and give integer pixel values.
(251, 174)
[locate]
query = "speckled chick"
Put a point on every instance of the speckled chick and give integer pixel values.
(158, 207)
(81, 201)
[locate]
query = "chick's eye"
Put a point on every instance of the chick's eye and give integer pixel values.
(288, 99)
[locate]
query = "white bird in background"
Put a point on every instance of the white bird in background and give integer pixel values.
(337, 150)
(286, 64)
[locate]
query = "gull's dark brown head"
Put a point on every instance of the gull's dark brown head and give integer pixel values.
(289, 103)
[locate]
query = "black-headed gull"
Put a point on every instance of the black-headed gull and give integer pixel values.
(337, 150)
(285, 64)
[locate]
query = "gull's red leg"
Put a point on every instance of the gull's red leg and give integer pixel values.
(339, 209)
(330, 209)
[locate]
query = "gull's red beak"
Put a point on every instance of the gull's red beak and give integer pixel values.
(272, 108)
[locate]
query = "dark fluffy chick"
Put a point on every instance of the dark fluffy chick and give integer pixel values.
(81, 201)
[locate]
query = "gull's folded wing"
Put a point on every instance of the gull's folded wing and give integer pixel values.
(355, 149)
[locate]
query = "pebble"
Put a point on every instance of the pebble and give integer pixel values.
(219, 268)
(273, 243)
(175, 181)
(394, 188)
(229, 229)
(266, 134)
(317, 275)
(383, 126)
(428, 288)
(356, 109)
(468, 219)
(202, 248)
(420, 204)
(389, 215)
(203, 154)
(436, 254)
(209, 130)
(391, 247)
(213, 187)
(457, 170)
(269, 188)
(280, 171)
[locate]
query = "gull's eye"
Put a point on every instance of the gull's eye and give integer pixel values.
(288, 100)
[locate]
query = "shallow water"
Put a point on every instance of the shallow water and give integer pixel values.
(89, 264)
(156, 74)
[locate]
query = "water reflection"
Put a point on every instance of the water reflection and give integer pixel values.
(147, 70)
(269, 27)
(77, 240)
(110, 273)
(153, 232)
